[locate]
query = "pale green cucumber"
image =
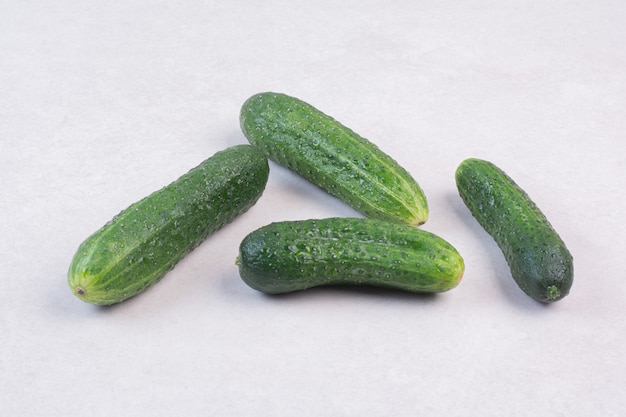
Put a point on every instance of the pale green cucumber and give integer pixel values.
(142, 243)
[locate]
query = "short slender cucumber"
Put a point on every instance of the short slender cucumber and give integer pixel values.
(348, 166)
(295, 255)
(539, 261)
(142, 243)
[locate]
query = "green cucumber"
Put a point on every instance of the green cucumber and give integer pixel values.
(142, 243)
(296, 255)
(539, 261)
(297, 135)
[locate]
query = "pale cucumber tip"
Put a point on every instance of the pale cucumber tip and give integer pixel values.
(81, 288)
(80, 292)
(419, 220)
(553, 293)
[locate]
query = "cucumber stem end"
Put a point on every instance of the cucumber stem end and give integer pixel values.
(553, 293)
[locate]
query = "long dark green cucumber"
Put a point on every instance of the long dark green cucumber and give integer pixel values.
(296, 255)
(348, 166)
(539, 261)
(142, 243)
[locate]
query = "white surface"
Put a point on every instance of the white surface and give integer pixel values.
(104, 102)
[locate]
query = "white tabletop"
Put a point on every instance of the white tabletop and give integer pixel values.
(102, 103)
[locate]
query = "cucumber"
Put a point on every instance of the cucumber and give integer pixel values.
(539, 261)
(142, 243)
(296, 255)
(297, 135)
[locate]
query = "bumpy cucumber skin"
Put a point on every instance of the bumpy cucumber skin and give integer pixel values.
(142, 243)
(296, 255)
(539, 261)
(348, 166)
